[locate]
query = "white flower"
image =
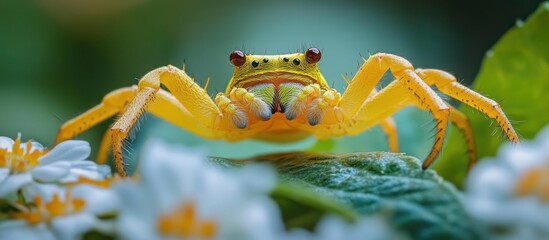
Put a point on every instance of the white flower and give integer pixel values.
(509, 194)
(180, 195)
(22, 164)
(59, 213)
(334, 227)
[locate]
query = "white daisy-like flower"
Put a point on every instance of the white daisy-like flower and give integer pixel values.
(334, 227)
(24, 163)
(181, 195)
(509, 194)
(57, 212)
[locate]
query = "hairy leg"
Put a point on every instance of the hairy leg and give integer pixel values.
(447, 84)
(464, 126)
(189, 95)
(164, 106)
(353, 104)
(395, 97)
(188, 106)
(417, 82)
(111, 104)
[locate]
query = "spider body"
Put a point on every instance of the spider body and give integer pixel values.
(269, 92)
(284, 98)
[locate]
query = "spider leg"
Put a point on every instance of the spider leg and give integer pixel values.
(164, 106)
(111, 104)
(464, 126)
(201, 108)
(447, 84)
(104, 148)
(373, 111)
(353, 104)
(122, 126)
(395, 97)
(188, 106)
(389, 127)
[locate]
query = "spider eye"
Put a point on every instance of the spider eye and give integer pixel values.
(313, 55)
(237, 58)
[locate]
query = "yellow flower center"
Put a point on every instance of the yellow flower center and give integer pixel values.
(20, 159)
(183, 222)
(55, 208)
(534, 182)
(105, 183)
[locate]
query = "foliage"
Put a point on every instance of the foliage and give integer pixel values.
(417, 202)
(516, 74)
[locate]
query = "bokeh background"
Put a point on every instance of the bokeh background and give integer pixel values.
(59, 58)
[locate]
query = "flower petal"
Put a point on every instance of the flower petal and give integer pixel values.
(264, 184)
(168, 167)
(70, 150)
(84, 165)
(35, 146)
(131, 227)
(172, 176)
(73, 226)
(522, 158)
(51, 172)
(12, 224)
(6, 143)
(13, 182)
(4, 173)
(19, 229)
(367, 227)
(98, 200)
(490, 179)
(87, 169)
(255, 219)
(44, 190)
(142, 221)
(104, 170)
(491, 197)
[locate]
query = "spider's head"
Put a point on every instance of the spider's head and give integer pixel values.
(296, 67)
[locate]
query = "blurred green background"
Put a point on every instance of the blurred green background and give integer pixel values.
(59, 58)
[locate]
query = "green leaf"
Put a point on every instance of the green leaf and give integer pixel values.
(516, 74)
(96, 235)
(302, 207)
(417, 202)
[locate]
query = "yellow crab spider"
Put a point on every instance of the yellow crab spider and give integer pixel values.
(284, 98)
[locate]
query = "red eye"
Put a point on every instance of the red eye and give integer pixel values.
(313, 55)
(237, 58)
